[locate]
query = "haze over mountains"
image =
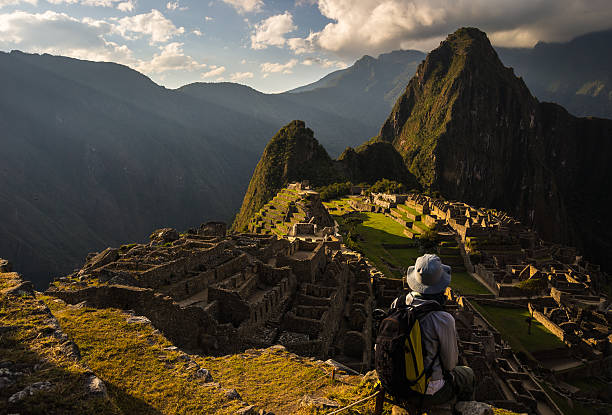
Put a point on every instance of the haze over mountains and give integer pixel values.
(96, 154)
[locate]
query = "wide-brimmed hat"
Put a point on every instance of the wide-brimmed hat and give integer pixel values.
(428, 275)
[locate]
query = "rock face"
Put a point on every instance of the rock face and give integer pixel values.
(468, 127)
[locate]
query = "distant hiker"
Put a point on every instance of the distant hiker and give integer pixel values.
(416, 348)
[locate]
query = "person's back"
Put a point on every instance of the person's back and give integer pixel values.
(428, 280)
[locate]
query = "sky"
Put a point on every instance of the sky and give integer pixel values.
(275, 45)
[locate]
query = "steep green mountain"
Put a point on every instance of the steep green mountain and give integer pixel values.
(293, 154)
(468, 127)
(372, 161)
(576, 74)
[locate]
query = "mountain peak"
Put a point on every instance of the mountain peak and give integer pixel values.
(461, 79)
(293, 154)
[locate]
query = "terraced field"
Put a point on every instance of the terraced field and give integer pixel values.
(385, 243)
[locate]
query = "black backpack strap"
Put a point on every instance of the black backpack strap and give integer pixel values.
(400, 302)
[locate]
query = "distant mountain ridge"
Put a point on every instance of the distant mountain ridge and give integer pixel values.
(575, 74)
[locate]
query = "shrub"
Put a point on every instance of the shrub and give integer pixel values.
(387, 186)
(334, 191)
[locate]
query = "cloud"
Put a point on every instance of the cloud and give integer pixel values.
(241, 76)
(245, 6)
(197, 32)
(171, 58)
(270, 67)
(360, 27)
(153, 24)
(324, 63)
(208, 18)
(60, 34)
(174, 5)
(215, 71)
(16, 2)
(272, 31)
(126, 6)
(123, 5)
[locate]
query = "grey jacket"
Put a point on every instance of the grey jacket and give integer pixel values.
(438, 332)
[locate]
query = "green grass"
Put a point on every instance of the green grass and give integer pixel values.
(141, 377)
(32, 343)
(409, 209)
(465, 284)
(376, 230)
(512, 325)
(341, 206)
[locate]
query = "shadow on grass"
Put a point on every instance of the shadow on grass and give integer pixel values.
(370, 241)
(28, 346)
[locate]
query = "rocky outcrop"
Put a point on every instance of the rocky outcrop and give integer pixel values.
(469, 128)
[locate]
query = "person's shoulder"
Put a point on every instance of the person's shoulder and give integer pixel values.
(444, 317)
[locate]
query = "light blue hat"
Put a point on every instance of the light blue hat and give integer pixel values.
(428, 275)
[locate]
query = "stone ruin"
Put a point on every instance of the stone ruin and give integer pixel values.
(218, 294)
(295, 211)
(283, 283)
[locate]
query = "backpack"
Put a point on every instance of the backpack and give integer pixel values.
(399, 351)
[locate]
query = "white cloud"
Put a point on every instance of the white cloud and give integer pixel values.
(241, 76)
(174, 5)
(245, 6)
(301, 45)
(126, 6)
(153, 24)
(171, 58)
(16, 2)
(324, 63)
(270, 67)
(123, 5)
(60, 34)
(272, 31)
(215, 71)
(197, 32)
(360, 27)
(208, 18)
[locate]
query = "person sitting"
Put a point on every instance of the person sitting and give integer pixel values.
(428, 279)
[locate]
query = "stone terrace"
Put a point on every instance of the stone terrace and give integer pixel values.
(219, 294)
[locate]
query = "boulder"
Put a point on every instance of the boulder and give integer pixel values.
(232, 394)
(29, 391)
(213, 229)
(204, 374)
(247, 410)
(96, 386)
(5, 266)
(103, 258)
(318, 402)
(164, 235)
(473, 408)
(24, 288)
